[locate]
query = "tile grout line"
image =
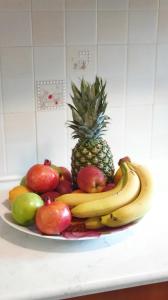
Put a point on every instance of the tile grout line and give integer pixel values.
(34, 88)
(4, 138)
(96, 37)
(154, 79)
(125, 86)
(66, 81)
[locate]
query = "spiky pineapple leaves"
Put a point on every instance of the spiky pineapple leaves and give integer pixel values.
(88, 109)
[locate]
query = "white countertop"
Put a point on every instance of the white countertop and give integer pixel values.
(37, 268)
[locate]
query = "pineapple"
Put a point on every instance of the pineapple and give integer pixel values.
(88, 125)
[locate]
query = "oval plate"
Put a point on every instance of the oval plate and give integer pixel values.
(31, 230)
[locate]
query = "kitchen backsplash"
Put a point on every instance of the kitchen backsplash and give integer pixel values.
(46, 44)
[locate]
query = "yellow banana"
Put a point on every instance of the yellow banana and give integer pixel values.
(74, 199)
(138, 207)
(108, 204)
(93, 223)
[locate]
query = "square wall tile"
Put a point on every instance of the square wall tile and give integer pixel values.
(81, 27)
(15, 29)
(15, 5)
(52, 136)
(112, 27)
(49, 62)
(163, 4)
(144, 4)
(17, 79)
(142, 26)
(161, 95)
(48, 5)
(138, 126)
(2, 147)
(50, 94)
(163, 26)
(112, 67)
(48, 28)
(81, 4)
(160, 132)
(113, 4)
(20, 142)
(140, 78)
(81, 62)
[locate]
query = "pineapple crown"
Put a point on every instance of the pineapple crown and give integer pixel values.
(88, 109)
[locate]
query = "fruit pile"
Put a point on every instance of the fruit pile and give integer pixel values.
(46, 198)
(92, 197)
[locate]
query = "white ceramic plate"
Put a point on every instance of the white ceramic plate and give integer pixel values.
(31, 230)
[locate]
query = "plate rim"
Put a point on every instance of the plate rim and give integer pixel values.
(26, 230)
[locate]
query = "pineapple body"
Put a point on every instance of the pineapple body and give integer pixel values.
(92, 152)
(89, 124)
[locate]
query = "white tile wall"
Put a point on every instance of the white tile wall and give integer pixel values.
(48, 5)
(163, 26)
(112, 27)
(160, 132)
(81, 27)
(20, 136)
(48, 28)
(124, 41)
(52, 136)
(15, 28)
(112, 4)
(138, 125)
(15, 5)
(162, 75)
(112, 67)
(2, 147)
(140, 77)
(0, 95)
(81, 4)
(142, 26)
(17, 78)
(144, 4)
(49, 63)
(163, 4)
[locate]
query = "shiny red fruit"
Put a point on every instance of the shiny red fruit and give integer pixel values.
(109, 186)
(50, 195)
(64, 187)
(91, 179)
(64, 173)
(53, 217)
(42, 178)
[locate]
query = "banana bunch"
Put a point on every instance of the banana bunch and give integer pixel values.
(133, 210)
(127, 202)
(106, 205)
(138, 207)
(74, 199)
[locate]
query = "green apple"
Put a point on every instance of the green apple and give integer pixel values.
(24, 208)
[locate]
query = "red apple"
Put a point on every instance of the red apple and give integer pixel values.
(51, 195)
(64, 173)
(53, 217)
(64, 187)
(41, 178)
(109, 186)
(91, 179)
